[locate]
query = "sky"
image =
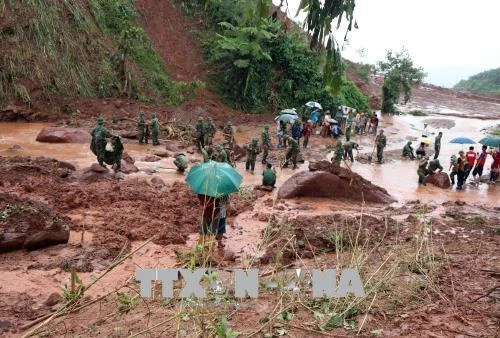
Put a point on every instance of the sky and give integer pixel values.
(450, 39)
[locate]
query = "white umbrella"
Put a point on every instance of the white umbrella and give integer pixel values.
(313, 104)
(288, 111)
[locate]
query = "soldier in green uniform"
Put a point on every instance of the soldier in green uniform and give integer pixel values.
(422, 170)
(453, 168)
(408, 151)
(229, 152)
(269, 176)
(292, 153)
(252, 151)
(433, 166)
(339, 153)
(348, 147)
(266, 143)
(200, 133)
(221, 155)
(98, 143)
(155, 129)
(437, 144)
(209, 131)
(206, 155)
(229, 134)
(348, 131)
(181, 162)
(141, 128)
(381, 142)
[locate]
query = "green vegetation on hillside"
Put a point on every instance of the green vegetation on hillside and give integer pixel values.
(485, 82)
(92, 48)
(261, 65)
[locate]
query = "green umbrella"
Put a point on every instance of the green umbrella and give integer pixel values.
(213, 179)
(490, 141)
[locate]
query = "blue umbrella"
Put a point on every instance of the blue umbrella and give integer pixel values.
(462, 140)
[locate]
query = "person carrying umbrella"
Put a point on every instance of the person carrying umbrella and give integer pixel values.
(213, 182)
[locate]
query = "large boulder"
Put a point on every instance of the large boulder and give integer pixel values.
(63, 135)
(328, 181)
(128, 168)
(29, 225)
(441, 180)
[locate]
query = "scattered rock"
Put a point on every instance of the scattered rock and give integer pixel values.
(151, 158)
(63, 135)
(150, 171)
(264, 188)
(128, 168)
(127, 158)
(157, 182)
(172, 147)
(30, 225)
(162, 153)
(97, 168)
(328, 181)
(66, 165)
(15, 148)
(63, 172)
(441, 180)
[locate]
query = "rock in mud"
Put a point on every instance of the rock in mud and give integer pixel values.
(97, 168)
(63, 135)
(66, 165)
(328, 181)
(128, 168)
(129, 135)
(441, 180)
(127, 158)
(172, 147)
(162, 153)
(29, 225)
(157, 182)
(53, 299)
(151, 158)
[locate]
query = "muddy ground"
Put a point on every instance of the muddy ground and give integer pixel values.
(428, 265)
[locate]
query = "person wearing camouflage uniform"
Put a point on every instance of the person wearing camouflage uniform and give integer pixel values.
(200, 133)
(422, 170)
(229, 152)
(209, 131)
(181, 162)
(292, 153)
(221, 155)
(408, 151)
(206, 156)
(381, 142)
(155, 129)
(266, 143)
(229, 134)
(252, 151)
(433, 166)
(338, 154)
(348, 147)
(141, 128)
(437, 145)
(348, 131)
(98, 143)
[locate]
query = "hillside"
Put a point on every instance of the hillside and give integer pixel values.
(80, 48)
(484, 82)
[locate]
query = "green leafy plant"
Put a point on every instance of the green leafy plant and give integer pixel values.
(222, 330)
(74, 291)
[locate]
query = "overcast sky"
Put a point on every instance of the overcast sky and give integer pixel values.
(450, 39)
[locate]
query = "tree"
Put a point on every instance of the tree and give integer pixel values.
(400, 75)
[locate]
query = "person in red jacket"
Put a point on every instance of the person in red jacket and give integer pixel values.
(307, 132)
(481, 160)
(471, 156)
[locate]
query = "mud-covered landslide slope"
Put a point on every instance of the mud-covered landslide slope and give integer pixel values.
(90, 48)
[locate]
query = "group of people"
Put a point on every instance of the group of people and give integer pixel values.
(145, 131)
(465, 163)
(98, 146)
